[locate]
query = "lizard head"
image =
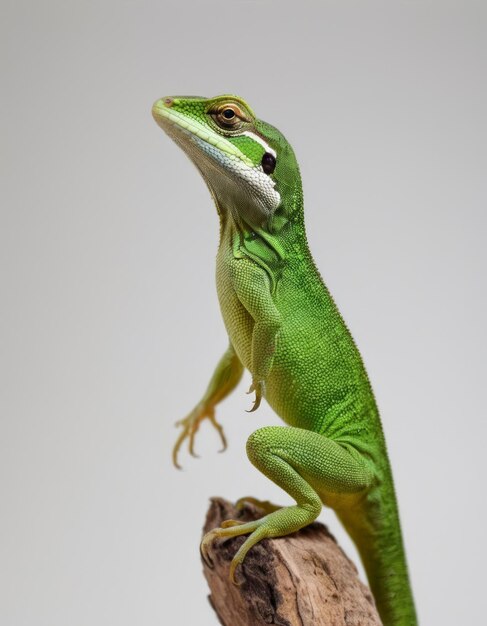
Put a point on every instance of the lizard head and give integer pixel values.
(248, 165)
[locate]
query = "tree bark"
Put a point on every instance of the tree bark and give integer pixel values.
(303, 579)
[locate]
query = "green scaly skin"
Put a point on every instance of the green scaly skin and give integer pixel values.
(284, 327)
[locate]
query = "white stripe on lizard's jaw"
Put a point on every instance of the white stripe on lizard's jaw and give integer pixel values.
(255, 137)
(260, 188)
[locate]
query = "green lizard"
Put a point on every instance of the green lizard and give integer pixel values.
(284, 327)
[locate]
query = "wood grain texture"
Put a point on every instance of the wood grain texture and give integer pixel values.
(304, 579)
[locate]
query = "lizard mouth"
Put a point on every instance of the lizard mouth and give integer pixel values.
(178, 125)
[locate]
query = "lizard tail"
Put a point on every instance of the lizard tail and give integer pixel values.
(376, 531)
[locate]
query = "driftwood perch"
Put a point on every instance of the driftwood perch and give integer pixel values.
(303, 579)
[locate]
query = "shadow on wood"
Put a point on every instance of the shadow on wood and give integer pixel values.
(303, 579)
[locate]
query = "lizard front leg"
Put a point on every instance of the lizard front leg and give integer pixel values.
(225, 378)
(252, 286)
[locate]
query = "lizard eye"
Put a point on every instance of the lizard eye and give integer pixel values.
(229, 116)
(268, 163)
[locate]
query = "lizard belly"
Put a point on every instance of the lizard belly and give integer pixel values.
(312, 383)
(296, 388)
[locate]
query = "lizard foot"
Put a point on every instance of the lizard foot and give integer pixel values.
(278, 523)
(191, 425)
(229, 529)
(258, 529)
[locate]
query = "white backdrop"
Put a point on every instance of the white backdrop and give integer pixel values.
(110, 326)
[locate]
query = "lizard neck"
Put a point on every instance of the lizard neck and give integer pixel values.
(282, 231)
(271, 242)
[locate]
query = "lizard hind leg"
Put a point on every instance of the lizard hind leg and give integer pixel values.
(305, 464)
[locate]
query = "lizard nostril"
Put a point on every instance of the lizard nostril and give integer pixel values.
(168, 102)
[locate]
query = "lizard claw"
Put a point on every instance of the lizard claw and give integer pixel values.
(259, 388)
(205, 544)
(219, 429)
(192, 434)
(205, 555)
(233, 568)
(175, 450)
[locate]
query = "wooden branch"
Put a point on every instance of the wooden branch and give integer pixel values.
(303, 579)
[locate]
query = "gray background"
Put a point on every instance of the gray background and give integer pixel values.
(110, 326)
